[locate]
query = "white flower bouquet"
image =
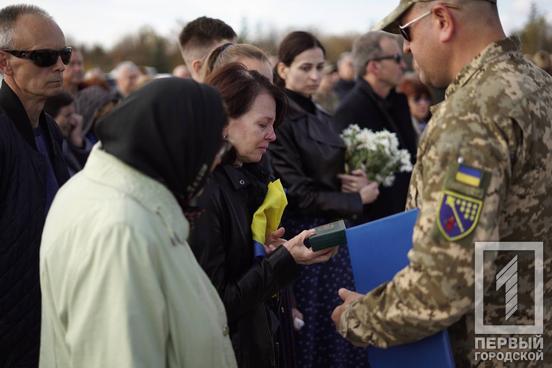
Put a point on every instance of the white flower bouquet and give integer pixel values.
(376, 153)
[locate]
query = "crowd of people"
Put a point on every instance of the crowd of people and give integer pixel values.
(127, 199)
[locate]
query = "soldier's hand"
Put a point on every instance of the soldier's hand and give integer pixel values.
(348, 297)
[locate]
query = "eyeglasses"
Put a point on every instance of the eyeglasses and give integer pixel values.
(43, 58)
(404, 29)
(398, 58)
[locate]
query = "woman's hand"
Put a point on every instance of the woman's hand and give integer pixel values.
(369, 193)
(305, 256)
(274, 240)
(298, 319)
(353, 182)
(357, 182)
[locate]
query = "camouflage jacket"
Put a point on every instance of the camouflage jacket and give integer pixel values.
(483, 173)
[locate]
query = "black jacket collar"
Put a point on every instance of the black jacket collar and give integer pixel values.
(304, 102)
(296, 112)
(13, 107)
(365, 87)
(237, 177)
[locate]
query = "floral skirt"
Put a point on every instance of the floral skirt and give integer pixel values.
(318, 345)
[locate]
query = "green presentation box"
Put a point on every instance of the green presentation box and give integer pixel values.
(327, 236)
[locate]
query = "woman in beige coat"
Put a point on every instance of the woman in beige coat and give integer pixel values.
(120, 285)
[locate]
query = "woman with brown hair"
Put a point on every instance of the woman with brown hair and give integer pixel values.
(309, 157)
(419, 101)
(222, 240)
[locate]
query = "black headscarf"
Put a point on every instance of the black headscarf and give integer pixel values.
(170, 130)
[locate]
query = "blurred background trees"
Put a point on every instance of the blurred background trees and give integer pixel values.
(536, 34)
(148, 48)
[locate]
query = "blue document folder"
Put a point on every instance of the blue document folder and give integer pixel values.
(378, 251)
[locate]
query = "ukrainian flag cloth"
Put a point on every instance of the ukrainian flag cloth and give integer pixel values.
(468, 176)
(268, 216)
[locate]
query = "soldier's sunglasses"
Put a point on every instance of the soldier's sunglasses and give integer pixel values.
(396, 58)
(45, 57)
(405, 32)
(404, 29)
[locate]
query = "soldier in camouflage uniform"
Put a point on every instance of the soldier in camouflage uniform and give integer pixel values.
(483, 173)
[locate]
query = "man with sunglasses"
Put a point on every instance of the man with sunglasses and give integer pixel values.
(373, 103)
(484, 174)
(32, 168)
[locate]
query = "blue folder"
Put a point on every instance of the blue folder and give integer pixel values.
(378, 251)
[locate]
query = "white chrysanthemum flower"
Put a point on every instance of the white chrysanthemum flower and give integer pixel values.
(377, 153)
(388, 181)
(406, 165)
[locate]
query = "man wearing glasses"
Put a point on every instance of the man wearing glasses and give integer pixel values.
(32, 58)
(373, 103)
(484, 173)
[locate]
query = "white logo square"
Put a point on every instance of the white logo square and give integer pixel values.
(508, 277)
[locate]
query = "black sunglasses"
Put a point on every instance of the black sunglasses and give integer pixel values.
(396, 58)
(43, 58)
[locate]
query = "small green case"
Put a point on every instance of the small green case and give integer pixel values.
(327, 236)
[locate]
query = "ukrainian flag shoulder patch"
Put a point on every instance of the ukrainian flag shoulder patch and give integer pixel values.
(462, 200)
(469, 176)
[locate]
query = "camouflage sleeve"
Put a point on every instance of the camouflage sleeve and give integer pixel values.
(437, 287)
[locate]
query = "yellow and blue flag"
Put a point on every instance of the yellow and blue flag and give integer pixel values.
(268, 216)
(469, 176)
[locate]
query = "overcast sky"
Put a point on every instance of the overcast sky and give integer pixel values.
(106, 21)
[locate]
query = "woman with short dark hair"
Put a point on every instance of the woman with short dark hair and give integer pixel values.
(222, 240)
(419, 101)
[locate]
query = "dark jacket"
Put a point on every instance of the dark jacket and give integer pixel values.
(75, 157)
(22, 214)
(368, 110)
(343, 87)
(222, 242)
(307, 156)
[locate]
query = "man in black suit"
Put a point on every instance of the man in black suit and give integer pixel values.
(374, 104)
(33, 55)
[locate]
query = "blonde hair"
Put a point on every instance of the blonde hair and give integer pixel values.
(230, 53)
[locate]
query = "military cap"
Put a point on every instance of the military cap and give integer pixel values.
(391, 22)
